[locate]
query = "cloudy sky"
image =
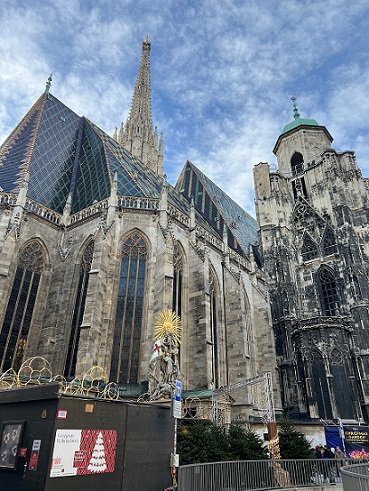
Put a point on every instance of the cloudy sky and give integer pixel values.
(222, 73)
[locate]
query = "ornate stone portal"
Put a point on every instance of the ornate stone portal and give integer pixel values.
(164, 364)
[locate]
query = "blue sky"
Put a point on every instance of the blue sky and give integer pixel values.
(222, 73)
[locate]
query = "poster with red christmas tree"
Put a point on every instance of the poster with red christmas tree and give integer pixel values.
(80, 452)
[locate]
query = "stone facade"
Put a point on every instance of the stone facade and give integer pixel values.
(313, 228)
(94, 244)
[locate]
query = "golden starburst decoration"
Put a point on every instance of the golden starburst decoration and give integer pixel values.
(168, 322)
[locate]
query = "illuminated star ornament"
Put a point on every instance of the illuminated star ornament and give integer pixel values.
(168, 322)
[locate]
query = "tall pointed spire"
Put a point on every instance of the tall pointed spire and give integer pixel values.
(138, 135)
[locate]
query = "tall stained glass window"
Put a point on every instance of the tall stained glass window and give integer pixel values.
(18, 316)
(129, 312)
(78, 311)
(177, 280)
(214, 329)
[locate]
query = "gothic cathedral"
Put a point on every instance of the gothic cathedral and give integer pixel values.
(95, 243)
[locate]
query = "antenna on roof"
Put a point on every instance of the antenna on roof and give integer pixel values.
(48, 83)
(296, 113)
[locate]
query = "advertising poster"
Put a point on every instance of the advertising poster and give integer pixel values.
(79, 452)
(357, 441)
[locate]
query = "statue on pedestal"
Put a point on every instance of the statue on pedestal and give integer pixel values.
(164, 364)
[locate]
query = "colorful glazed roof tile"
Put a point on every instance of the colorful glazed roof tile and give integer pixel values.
(218, 209)
(65, 153)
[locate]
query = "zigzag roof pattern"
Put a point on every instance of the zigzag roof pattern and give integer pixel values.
(65, 153)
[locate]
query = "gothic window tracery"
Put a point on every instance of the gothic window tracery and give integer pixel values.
(129, 311)
(329, 242)
(213, 291)
(17, 321)
(309, 249)
(247, 328)
(327, 289)
(177, 280)
(78, 310)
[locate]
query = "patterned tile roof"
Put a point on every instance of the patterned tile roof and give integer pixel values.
(218, 209)
(65, 153)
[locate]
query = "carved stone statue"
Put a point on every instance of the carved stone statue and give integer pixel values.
(164, 366)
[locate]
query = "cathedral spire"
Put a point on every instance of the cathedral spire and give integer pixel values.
(138, 135)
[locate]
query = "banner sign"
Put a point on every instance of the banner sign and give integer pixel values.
(356, 441)
(78, 452)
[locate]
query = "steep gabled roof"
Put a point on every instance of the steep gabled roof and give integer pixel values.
(218, 209)
(65, 153)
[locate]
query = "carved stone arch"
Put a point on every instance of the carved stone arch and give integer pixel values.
(131, 234)
(309, 247)
(305, 217)
(327, 289)
(328, 242)
(41, 244)
(32, 261)
(296, 161)
(336, 357)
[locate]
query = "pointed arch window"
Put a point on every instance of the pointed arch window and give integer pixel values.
(309, 249)
(214, 328)
(321, 390)
(329, 242)
(78, 311)
(129, 311)
(327, 291)
(342, 393)
(297, 163)
(18, 315)
(247, 326)
(177, 280)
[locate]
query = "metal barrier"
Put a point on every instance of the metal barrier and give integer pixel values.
(355, 477)
(263, 474)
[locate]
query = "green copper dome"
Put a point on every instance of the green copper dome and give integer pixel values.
(299, 122)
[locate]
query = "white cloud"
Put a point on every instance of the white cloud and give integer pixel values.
(222, 72)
